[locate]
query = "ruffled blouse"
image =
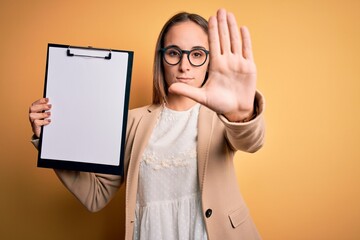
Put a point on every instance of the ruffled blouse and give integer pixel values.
(168, 205)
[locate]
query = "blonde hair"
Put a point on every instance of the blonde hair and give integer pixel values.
(159, 84)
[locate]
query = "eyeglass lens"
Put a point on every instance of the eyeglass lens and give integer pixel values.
(173, 56)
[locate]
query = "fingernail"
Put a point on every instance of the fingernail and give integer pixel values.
(49, 120)
(49, 105)
(48, 113)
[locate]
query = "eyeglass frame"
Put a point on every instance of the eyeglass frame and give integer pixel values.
(163, 50)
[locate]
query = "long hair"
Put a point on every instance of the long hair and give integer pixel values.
(160, 88)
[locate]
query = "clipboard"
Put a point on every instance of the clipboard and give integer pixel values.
(89, 91)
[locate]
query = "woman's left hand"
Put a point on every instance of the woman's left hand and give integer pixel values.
(231, 85)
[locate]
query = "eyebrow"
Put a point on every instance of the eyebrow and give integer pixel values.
(194, 47)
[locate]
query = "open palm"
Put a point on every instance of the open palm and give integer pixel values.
(231, 85)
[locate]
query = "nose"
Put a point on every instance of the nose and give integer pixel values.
(184, 64)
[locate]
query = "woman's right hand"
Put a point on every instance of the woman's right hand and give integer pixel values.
(39, 115)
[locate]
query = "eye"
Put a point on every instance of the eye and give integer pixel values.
(173, 52)
(197, 53)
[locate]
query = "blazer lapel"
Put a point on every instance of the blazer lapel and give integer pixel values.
(141, 139)
(143, 133)
(205, 129)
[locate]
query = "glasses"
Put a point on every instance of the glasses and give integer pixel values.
(173, 55)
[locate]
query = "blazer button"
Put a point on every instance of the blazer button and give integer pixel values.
(208, 213)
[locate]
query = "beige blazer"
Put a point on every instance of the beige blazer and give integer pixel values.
(225, 213)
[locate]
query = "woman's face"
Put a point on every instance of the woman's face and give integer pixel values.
(186, 36)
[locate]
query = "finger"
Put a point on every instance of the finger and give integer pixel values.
(44, 122)
(223, 31)
(246, 46)
(39, 108)
(37, 124)
(38, 102)
(38, 116)
(196, 94)
(214, 42)
(234, 34)
(41, 101)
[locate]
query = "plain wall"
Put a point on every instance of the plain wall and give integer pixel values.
(303, 184)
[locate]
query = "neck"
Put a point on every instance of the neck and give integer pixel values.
(179, 103)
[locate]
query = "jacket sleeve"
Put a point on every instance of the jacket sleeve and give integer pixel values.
(248, 136)
(93, 190)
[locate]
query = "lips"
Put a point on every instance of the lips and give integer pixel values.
(184, 79)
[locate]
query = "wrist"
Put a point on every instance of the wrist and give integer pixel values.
(241, 117)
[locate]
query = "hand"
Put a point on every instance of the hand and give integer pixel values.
(231, 85)
(39, 114)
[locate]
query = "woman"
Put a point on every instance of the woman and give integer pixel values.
(180, 179)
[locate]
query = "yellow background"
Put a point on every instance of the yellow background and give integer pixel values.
(303, 184)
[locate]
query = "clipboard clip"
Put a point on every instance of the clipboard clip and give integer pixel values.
(70, 54)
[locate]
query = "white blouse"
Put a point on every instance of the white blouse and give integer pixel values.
(168, 205)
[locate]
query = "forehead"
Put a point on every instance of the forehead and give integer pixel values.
(186, 35)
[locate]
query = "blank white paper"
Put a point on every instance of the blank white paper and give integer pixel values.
(87, 96)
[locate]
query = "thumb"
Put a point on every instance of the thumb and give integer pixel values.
(196, 94)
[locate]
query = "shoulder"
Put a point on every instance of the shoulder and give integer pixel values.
(140, 115)
(137, 113)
